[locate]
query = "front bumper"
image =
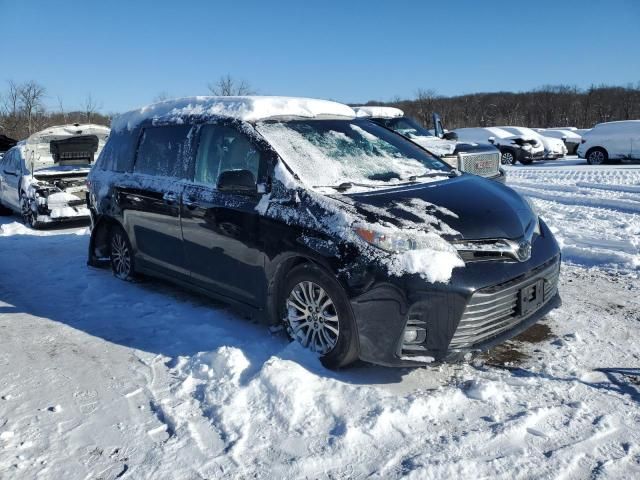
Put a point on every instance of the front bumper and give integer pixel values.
(449, 312)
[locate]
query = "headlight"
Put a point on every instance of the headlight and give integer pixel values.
(392, 240)
(388, 241)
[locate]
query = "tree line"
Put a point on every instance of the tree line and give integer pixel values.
(23, 110)
(548, 106)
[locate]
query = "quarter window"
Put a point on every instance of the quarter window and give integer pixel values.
(221, 149)
(164, 151)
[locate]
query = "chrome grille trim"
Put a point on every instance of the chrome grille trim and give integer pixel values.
(470, 163)
(493, 310)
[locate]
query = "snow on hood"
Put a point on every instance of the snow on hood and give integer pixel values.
(435, 258)
(435, 145)
(248, 108)
(60, 132)
(378, 112)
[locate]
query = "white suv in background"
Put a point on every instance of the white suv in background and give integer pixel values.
(611, 141)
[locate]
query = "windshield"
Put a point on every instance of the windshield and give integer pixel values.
(406, 126)
(335, 152)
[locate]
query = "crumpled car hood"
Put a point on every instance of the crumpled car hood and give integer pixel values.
(474, 207)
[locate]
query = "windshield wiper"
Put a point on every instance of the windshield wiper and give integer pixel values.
(450, 174)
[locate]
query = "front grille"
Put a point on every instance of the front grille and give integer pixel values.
(483, 164)
(494, 310)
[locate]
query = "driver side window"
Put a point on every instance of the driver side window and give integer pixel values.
(223, 148)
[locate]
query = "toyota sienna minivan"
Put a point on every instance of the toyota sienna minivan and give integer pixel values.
(358, 242)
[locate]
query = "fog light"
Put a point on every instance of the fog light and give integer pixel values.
(414, 335)
(410, 336)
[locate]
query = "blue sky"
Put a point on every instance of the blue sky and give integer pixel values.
(124, 53)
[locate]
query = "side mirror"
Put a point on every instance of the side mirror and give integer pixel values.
(450, 136)
(564, 138)
(237, 181)
(491, 140)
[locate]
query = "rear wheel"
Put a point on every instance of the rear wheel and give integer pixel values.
(121, 254)
(597, 156)
(317, 314)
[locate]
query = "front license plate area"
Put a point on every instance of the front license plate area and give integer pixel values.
(531, 297)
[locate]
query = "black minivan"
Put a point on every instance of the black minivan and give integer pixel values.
(360, 243)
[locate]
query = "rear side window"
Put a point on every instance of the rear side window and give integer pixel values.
(164, 151)
(117, 154)
(223, 148)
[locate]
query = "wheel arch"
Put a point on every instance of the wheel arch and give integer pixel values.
(99, 240)
(276, 274)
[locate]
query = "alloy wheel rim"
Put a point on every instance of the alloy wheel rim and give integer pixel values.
(120, 256)
(507, 158)
(311, 317)
(596, 157)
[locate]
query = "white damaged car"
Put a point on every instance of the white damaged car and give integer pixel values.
(43, 178)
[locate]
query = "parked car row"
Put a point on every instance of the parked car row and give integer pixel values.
(479, 159)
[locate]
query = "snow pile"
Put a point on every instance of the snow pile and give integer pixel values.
(153, 382)
(249, 108)
(435, 145)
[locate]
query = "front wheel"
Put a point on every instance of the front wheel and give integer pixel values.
(597, 156)
(508, 158)
(29, 217)
(317, 314)
(121, 254)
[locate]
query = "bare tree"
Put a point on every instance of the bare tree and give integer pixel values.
(229, 86)
(425, 100)
(61, 108)
(90, 107)
(31, 96)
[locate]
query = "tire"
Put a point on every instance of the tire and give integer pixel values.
(597, 156)
(508, 157)
(27, 213)
(311, 295)
(121, 254)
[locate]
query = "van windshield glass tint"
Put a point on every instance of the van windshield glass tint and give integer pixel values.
(164, 151)
(331, 152)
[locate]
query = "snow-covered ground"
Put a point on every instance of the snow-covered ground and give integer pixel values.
(104, 379)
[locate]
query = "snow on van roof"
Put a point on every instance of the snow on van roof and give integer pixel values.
(378, 112)
(248, 108)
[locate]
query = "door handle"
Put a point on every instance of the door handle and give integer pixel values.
(170, 198)
(190, 203)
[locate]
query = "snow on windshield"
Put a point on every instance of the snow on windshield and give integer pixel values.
(324, 153)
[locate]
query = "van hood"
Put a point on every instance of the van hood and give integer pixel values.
(474, 207)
